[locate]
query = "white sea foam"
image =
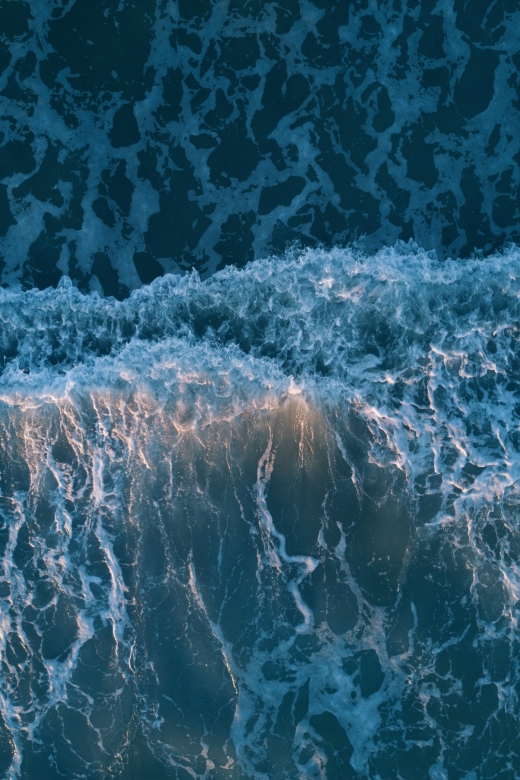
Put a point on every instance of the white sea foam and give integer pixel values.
(192, 476)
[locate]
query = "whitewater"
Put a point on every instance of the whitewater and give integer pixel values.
(264, 525)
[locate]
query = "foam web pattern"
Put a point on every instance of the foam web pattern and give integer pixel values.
(164, 136)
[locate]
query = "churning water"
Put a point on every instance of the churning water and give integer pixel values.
(264, 525)
(259, 505)
(138, 138)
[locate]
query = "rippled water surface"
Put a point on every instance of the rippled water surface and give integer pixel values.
(259, 390)
(151, 136)
(264, 525)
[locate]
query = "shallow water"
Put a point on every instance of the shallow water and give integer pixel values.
(264, 525)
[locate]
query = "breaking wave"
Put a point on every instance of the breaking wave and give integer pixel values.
(264, 525)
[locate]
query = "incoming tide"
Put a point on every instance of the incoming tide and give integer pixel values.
(259, 390)
(264, 525)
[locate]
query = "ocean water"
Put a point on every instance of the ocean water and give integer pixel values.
(138, 138)
(259, 390)
(264, 525)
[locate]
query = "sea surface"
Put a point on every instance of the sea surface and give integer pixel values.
(259, 390)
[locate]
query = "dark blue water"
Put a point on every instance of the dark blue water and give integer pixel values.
(259, 390)
(151, 137)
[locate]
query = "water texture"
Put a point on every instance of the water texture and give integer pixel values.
(138, 138)
(259, 390)
(264, 525)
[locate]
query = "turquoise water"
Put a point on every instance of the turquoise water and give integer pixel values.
(259, 390)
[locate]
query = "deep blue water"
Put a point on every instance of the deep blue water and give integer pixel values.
(150, 137)
(259, 390)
